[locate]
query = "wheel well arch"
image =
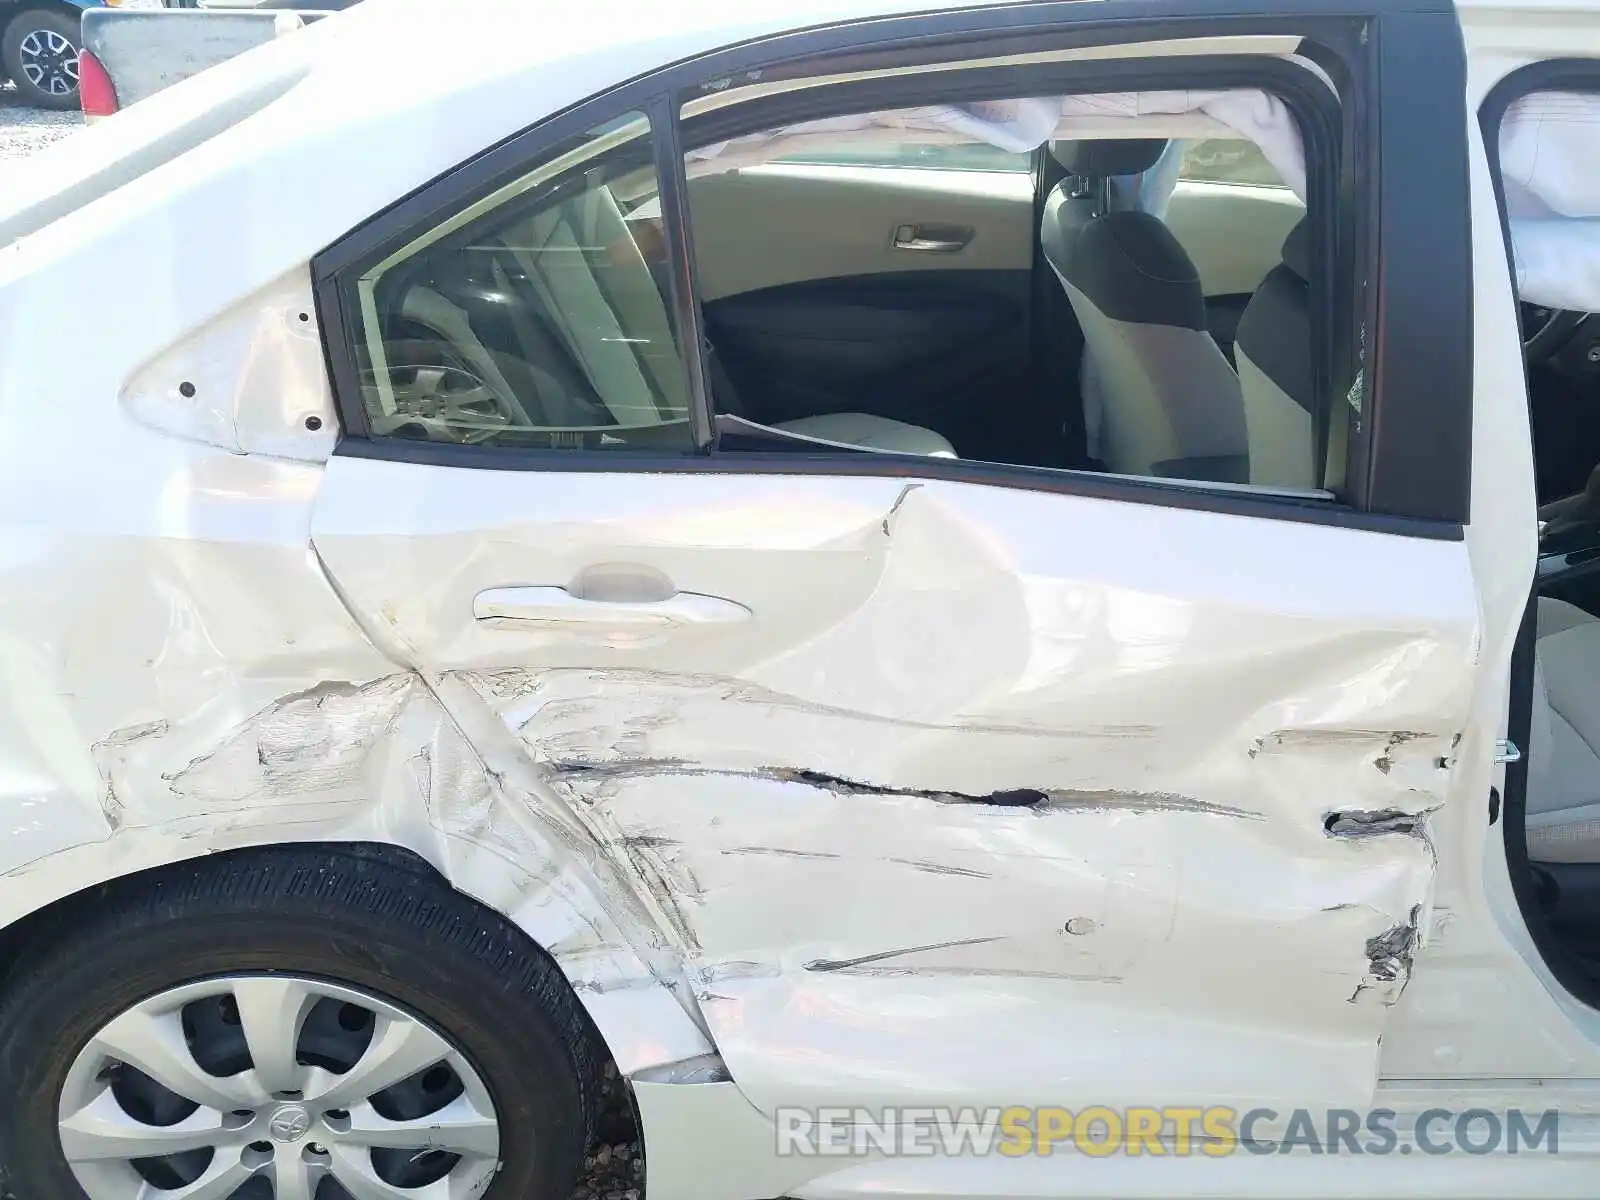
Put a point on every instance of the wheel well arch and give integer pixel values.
(628, 1038)
(56, 917)
(607, 1097)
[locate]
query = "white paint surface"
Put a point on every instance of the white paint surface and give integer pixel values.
(803, 800)
(768, 839)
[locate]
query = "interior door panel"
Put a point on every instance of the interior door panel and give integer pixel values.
(902, 292)
(783, 223)
(948, 351)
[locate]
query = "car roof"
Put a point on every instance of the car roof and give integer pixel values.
(511, 35)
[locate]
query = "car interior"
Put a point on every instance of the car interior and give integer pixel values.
(929, 294)
(1129, 294)
(1551, 184)
(1562, 822)
(943, 323)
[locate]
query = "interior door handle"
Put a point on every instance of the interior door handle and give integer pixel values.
(930, 239)
(514, 606)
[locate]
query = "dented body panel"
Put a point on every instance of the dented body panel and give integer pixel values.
(997, 796)
(956, 788)
(178, 692)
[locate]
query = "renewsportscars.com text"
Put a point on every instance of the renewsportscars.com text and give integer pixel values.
(1165, 1131)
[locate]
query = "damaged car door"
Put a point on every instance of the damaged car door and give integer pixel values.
(934, 785)
(958, 793)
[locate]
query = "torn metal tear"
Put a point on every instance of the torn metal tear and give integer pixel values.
(1384, 822)
(1390, 956)
(1065, 800)
(888, 518)
(703, 1068)
(1011, 798)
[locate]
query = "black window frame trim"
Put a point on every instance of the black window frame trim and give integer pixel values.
(967, 33)
(1413, 450)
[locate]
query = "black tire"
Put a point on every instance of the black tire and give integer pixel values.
(345, 917)
(18, 31)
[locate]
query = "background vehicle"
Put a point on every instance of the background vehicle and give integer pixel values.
(858, 558)
(282, 5)
(39, 41)
(134, 53)
(286, 5)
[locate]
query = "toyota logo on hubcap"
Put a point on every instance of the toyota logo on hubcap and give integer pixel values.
(290, 1123)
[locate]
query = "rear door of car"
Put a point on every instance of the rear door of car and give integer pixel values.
(944, 781)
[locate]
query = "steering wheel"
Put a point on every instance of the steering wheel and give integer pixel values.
(1546, 330)
(440, 397)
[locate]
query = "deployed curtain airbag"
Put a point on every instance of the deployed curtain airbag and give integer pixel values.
(1021, 126)
(1549, 156)
(1550, 165)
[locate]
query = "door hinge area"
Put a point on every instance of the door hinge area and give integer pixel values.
(1506, 752)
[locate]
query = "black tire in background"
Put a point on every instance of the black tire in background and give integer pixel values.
(362, 921)
(32, 57)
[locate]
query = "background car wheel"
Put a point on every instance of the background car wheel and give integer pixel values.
(293, 1024)
(40, 53)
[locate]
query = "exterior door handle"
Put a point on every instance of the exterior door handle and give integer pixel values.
(511, 607)
(933, 239)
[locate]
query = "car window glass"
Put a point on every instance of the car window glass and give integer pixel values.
(1228, 160)
(538, 317)
(895, 313)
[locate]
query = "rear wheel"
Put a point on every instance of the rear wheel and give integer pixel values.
(40, 53)
(297, 1025)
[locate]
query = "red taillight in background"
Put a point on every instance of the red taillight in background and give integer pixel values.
(95, 91)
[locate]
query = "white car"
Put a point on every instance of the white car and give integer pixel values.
(966, 594)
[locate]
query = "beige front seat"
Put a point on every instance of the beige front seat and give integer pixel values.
(597, 286)
(1563, 809)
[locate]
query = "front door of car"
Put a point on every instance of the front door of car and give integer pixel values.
(1536, 89)
(943, 783)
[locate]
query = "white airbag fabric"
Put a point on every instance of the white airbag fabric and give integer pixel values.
(1549, 156)
(1021, 126)
(1550, 166)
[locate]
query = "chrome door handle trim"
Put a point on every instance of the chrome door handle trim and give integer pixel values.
(910, 237)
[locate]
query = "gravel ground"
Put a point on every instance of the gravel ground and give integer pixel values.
(24, 130)
(615, 1167)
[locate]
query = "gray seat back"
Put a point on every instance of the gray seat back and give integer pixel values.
(1170, 403)
(1272, 348)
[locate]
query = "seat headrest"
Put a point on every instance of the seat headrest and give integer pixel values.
(1102, 158)
(1297, 249)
